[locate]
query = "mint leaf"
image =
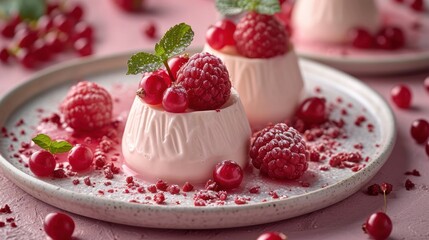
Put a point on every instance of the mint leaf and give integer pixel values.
(60, 147)
(43, 141)
(230, 7)
(269, 7)
(31, 10)
(143, 62)
(175, 41)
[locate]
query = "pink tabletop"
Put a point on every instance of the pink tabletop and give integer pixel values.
(118, 32)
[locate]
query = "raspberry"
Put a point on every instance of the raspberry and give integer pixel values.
(206, 81)
(87, 107)
(260, 36)
(280, 152)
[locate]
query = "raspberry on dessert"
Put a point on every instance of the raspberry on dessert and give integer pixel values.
(206, 81)
(260, 36)
(87, 107)
(280, 152)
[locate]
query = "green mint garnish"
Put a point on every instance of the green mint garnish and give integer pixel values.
(45, 142)
(27, 10)
(230, 7)
(174, 42)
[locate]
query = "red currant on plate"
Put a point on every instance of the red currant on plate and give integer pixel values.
(420, 130)
(378, 226)
(80, 157)
(58, 226)
(312, 110)
(175, 99)
(228, 174)
(42, 163)
(272, 236)
(215, 37)
(151, 89)
(401, 96)
(361, 38)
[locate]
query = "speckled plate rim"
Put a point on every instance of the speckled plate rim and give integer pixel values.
(190, 217)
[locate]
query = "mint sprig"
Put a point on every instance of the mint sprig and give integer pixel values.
(27, 10)
(53, 146)
(231, 7)
(174, 42)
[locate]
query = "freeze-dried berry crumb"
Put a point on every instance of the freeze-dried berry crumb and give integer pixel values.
(161, 185)
(240, 200)
(152, 188)
(173, 189)
(212, 185)
(76, 181)
(159, 198)
(187, 187)
(255, 189)
(409, 184)
(386, 188)
(413, 173)
(87, 181)
(2, 224)
(373, 190)
(6, 209)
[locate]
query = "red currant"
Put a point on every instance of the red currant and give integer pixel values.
(130, 5)
(378, 226)
(56, 42)
(150, 30)
(176, 63)
(42, 163)
(228, 174)
(272, 236)
(417, 5)
(215, 37)
(9, 28)
(26, 58)
(391, 38)
(76, 12)
(427, 148)
(64, 24)
(401, 96)
(4, 55)
(312, 110)
(228, 27)
(83, 30)
(41, 51)
(420, 130)
(80, 157)
(426, 84)
(152, 88)
(83, 47)
(45, 24)
(163, 73)
(26, 38)
(361, 38)
(58, 226)
(175, 99)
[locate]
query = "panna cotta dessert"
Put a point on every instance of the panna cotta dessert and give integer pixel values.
(330, 21)
(185, 118)
(262, 64)
(179, 147)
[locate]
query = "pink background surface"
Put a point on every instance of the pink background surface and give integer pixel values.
(117, 32)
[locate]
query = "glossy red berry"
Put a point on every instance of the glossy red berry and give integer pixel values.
(215, 37)
(26, 58)
(361, 38)
(9, 27)
(150, 30)
(312, 110)
(56, 42)
(401, 95)
(420, 130)
(42, 163)
(163, 73)
(41, 50)
(59, 226)
(228, 27)
(64, 24)
(378, 226)
(4, 55)
(26, 38)
(152, 88)
(83, 30)
(45, 24)
(390, 38)
(228, 174)
(80, 157)
(83, 47)
(272, 236)
(176, 63)
(76, 12)
(175, 99)
(417, 5)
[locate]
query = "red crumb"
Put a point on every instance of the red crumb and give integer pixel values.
(187, 187)
(6, 209)
(152, 188)
(359, 120)
(370, 127)
(212, 185)
(240, 200)
(59, 173)
(358, 146)
(255, 189)
(317, 90)
(141, 190)
(11, 219)
(159, 198)
(413, 173)
(161, 185)
(199, 203)
(75, 181)
(87, 181)
(373, 190)
(174, 189)
(409, 184)
(2, 224)
(273, 194)
(129, 179)
(101, 192)
(13, 224)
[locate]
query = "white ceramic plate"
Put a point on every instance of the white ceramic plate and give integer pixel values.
(48, 88)
(374, 62)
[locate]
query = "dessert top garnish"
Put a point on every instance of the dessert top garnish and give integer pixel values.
(174, 42)
(258, 33)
